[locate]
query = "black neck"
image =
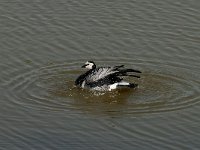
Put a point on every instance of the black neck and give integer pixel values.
(93, 67)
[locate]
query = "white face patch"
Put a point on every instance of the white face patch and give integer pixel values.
(89, 65)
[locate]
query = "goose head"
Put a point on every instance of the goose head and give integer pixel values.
(89, 65)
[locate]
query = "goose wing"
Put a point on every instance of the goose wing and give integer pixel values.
(108, 75)
(100, 73)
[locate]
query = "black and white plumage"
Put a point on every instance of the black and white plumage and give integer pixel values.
(105, 78)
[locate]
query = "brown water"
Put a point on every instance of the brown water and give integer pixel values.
(43, 45)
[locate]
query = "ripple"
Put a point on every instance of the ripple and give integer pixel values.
(52, 88)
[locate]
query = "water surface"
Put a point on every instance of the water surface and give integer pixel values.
(43, 46)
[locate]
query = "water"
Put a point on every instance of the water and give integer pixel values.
(43, 46)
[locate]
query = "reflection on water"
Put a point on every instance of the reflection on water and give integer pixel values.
(155, 93)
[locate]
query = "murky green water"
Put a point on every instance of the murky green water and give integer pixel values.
(43, 45)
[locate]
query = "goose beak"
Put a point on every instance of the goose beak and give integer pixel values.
(83, 66)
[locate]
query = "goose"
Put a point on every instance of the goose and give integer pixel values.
(105, 78)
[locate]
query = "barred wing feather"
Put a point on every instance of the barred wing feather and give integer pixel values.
(100, 73)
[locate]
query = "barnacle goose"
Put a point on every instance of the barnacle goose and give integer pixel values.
(105, 78)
